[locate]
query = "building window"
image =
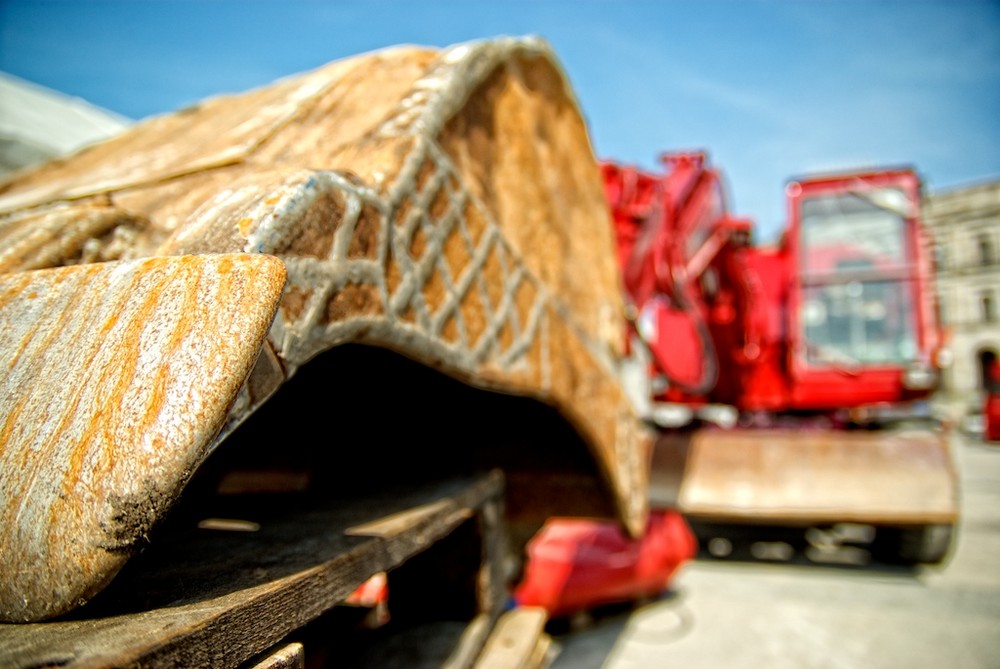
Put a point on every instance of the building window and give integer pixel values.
(988, 308)
(941, 257)
(985, 249)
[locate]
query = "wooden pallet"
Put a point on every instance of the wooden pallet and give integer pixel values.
(518, 641)
(265, 592)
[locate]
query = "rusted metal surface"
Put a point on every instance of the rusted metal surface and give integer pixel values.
(444, 204)
(117, 378)
(801, 476)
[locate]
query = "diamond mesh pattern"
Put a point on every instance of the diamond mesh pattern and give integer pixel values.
(438, 276)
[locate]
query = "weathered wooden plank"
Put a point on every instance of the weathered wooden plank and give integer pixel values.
(208, 598)
(471, 643)
(395, 524)
(542, 655)
(289, 656)
(515, 641)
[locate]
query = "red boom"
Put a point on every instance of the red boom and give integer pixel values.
(839, 316)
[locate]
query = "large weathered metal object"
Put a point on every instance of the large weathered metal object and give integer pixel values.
(444, 204)
(117, 378)
(831, 483)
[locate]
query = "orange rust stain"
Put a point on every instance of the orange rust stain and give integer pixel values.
(109, 324)
(450, 332)
(364, 244)
(475, 224)
(224, 266)
(393, 275)
(410, 315)
(13, 288)
(244, 225)
(30, 468)
(293, 302)
(6, 430)
(10, 296)
(493, 277)
(506, 336)
(473, 316)
(456, 253)
(353, 300)
(534, 360)
(104, 459)
(439, 205)
(313, 234)
(92, 270)
(182, 324)
(157, 397)
(435, 291)
(402, 213)
(425, 173)
(524, 298)
(114, 382)
(418, 244)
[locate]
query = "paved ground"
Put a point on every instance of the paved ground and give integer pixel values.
(802, 615)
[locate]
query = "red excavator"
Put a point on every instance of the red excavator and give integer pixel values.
(790, 382)
(991, 403)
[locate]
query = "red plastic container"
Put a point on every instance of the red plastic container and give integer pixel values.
(576, 564)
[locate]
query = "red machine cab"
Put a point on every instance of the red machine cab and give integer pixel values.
(991, 408)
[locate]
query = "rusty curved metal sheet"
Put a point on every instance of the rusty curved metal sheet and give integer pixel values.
(783, 476)
(444, 203)
(143, 360)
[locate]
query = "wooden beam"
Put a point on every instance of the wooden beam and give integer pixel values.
(221, 598)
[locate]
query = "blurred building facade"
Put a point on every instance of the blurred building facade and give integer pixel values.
(965, 223)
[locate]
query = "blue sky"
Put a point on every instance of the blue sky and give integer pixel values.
(770, 89)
